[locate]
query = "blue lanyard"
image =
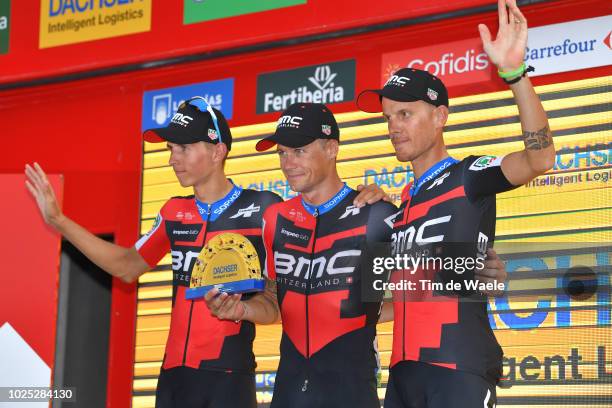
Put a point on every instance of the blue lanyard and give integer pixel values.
(329, 204)
(432, 173)
(217, 208)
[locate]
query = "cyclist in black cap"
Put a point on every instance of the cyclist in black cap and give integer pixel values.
(208, 362)
(315, 254)
(444, 351)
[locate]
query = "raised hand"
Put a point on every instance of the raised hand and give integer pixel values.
(507, 51)
(39, 186)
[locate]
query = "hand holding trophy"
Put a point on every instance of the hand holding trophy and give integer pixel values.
(228, 262)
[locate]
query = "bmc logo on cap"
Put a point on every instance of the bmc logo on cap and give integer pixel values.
(397, 80)
(290, 121)
(181, 119)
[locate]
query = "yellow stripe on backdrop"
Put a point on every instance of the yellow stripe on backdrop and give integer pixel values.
(569, 205)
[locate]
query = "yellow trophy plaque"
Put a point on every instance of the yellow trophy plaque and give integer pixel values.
(228, 262)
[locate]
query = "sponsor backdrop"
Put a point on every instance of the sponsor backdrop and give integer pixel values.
(167, 29)
(28, 289)
(326, 83)
(550, 49)
(67, 22)
(557, 349)
(196, 11)
(111, 111)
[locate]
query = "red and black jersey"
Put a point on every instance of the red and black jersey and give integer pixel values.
(315, 256)
(184, 225)
(451, 204)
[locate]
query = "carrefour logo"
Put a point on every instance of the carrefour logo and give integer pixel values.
(570, 46)
(159, 106)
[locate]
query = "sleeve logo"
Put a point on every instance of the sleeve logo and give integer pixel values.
(485, 162)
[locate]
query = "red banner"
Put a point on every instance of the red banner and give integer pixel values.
(28, 286)
(36, 24)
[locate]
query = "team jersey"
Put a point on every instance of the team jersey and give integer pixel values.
(450, 209)
(184, 225)
(314, 256)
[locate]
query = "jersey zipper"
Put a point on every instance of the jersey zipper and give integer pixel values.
(191, 307)
(312, 252)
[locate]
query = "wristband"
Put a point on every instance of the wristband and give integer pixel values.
(518, 78)
(511, 74)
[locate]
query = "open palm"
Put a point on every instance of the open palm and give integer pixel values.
(38, 184)
(507, 51)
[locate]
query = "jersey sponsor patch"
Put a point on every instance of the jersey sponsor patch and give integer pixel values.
(145, 237)
(439, 180)
(484, 162)
(350, 210)
(247, 212)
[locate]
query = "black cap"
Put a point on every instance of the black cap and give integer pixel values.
(405, 85)
(190, 125)
(301, 124)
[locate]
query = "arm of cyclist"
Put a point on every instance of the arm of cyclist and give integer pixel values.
(123, 263)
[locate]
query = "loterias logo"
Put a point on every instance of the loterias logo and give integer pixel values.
(325, 83)
(159, 106)
(5, 12)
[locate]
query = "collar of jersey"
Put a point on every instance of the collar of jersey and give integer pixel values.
(432, 173)
(210, 212)
(329, 204)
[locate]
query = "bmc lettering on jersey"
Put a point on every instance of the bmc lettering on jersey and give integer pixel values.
(287, 264)
(183, 261)
(456, 63)
(402, 241)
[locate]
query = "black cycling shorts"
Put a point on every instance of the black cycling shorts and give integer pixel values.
(184, 387)
(413, 384)
(334, 391)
